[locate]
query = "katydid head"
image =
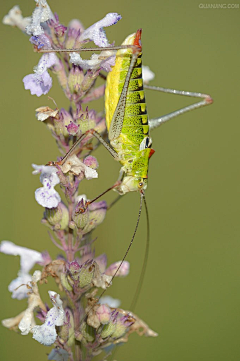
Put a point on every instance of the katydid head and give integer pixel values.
(132, 184)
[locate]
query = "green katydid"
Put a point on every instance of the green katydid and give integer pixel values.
(128, 125)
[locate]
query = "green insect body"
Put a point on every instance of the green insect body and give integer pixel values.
(129, 135)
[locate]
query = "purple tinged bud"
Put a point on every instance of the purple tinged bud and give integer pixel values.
(91, 162)
(75, 28)
(75, 79)
(86, 274)
(103, 313)
(109, 328)
(96, 215)
(122, 325)
(60, 125)
(74, 270)
(60, 30)
(72, 128)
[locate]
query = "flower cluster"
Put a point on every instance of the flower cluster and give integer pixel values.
(78, 323)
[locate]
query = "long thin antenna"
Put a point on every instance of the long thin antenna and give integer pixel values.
(144, 267)
(123, 259)
(130, 244)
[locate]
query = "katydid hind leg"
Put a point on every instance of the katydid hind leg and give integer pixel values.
(156, 122)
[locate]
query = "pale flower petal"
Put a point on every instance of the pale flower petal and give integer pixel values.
(28, 259)
(96, 32)
(41, 14)
(105, 60)
(18, 286)
(15, 18)
(123, 271)
(111, 302)
(28, 256)
(40, 82)
(76, 166)
(46, 334)
(46, 196)
(25, 320)
(147, 74)
(44, 113)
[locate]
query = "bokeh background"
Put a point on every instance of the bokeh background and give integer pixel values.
(191, 294)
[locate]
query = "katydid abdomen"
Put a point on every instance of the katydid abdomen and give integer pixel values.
(131, 141)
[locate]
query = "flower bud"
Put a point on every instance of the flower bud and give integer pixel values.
(74, 270)
(91, 162)
(103, 313)
(86, 124)
(66, 333)
(81, 214)
(123, 270)
(60, 125)
(75, 79)
(72, 128)
(57, 217)
(97, 212)
(75, 28)
(122, 325)
(109, 329)
(86, 275)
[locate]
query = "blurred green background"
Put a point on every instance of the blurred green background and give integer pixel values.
(191, 292)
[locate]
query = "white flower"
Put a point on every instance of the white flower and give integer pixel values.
(28, 258)
(15, 18)
(46, 196)
(105, 60)
(111, 302)
(46, 334)
(25, 320)
(41, 14)
(76, 166)
(96, 32)
(147, 74)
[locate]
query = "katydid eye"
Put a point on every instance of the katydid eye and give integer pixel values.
(146, 143)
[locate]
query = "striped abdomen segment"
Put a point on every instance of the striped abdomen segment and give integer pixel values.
(135, 123)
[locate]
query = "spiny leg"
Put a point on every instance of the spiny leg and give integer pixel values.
(81, 138)
(156, 122)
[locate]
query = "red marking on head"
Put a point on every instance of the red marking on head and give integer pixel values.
(137, 41)
(152, 151)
